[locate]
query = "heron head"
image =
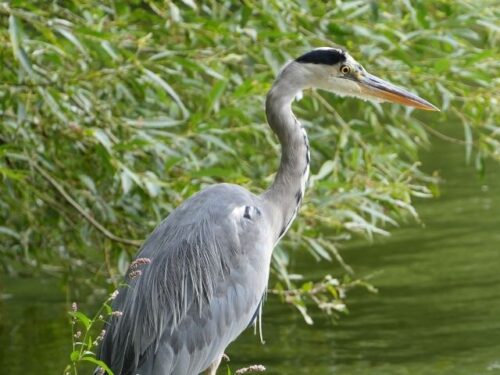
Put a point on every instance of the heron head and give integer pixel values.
(334, 70)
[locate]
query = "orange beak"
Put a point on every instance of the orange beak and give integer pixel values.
(377, 88)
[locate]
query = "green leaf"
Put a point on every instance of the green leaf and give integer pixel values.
(442, 65)
(155, 78)
(106, 45)
(16, 38)
(303, 310)
(73, 39)
(108, 308)
(123, 262)
(13, 174)
(52, 104)
(75, 355)
(307, 287)
(98, 363)
(215, 94)
(333, 291)
(468, 141)
(327, 168)
(82, 318)
(10, 232)
(155, 123)
(318, 249)
(103, 139)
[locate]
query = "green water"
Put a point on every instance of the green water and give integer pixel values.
(437, 310)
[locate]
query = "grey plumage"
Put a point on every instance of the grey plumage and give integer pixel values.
(195, 288)
(209, 260)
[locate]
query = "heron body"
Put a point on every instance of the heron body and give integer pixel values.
(209, 260)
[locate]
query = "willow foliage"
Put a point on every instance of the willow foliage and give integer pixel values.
(114, 112)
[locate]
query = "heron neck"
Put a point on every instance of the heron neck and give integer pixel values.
(287, 190)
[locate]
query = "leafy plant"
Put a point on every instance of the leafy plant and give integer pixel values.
(85, 339)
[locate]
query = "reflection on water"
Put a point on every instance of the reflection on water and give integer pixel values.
(34, 329)
(437, 312)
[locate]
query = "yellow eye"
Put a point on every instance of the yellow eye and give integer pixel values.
(345, 69)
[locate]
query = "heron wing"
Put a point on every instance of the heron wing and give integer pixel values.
(209, 268)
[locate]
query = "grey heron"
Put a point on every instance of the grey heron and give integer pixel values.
(201, 275)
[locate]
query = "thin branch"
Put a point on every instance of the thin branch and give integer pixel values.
(338, 257)
(82, 211)
(442, 136)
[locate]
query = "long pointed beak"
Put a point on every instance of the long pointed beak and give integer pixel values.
(382, 90)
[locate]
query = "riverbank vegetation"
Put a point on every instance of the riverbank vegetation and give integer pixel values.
(114, 112)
